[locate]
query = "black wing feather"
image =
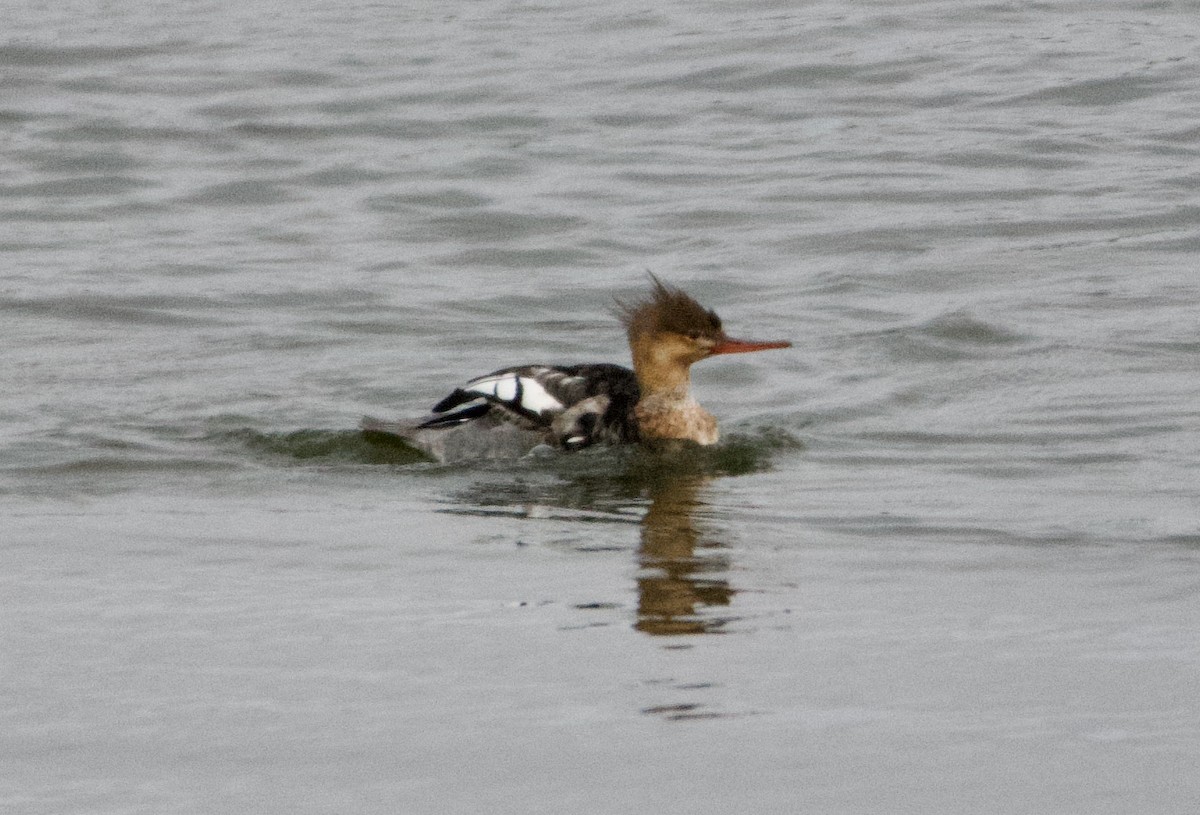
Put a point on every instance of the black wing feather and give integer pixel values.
(457, 417)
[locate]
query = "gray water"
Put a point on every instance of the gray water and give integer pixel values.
(946, 560)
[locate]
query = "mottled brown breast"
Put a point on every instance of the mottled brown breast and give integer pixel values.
(671, 419)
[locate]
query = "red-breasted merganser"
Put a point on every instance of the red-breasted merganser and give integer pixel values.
(576, 406)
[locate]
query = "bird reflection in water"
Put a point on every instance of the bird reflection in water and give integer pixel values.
(682, 581)
(683, 568)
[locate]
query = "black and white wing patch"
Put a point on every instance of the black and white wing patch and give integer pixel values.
(577, 405)
(532, 395)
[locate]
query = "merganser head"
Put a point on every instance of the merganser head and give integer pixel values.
(681, 329)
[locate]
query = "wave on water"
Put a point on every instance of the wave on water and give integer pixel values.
(951, 337)
(315, 446)
(738, 454)
(100, 464)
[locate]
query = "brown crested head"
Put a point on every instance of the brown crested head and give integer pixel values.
(669, 310)
(671, 329)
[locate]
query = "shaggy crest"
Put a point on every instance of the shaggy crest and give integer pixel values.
(668, 310)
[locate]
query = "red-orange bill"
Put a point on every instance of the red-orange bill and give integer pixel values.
(731, 346)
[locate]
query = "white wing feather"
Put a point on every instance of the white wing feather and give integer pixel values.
(506, 387)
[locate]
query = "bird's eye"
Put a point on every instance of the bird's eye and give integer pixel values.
(693, 335)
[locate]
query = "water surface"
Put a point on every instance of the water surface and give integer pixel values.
(947, 559)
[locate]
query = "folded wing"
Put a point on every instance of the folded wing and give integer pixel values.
(576, 405)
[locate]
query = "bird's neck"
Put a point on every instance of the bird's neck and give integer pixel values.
(666, 409)
(659, 373)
